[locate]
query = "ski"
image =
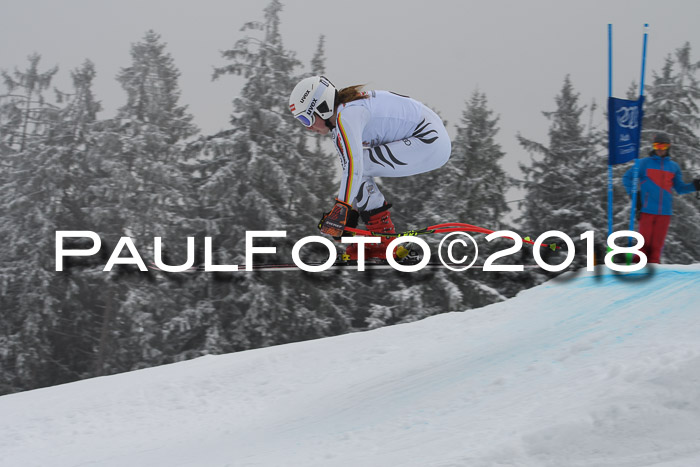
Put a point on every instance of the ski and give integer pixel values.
(410, 259)
(342, 266)
(338, 265)
(447, 227)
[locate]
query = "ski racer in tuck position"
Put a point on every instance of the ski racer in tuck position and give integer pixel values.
(376, 134)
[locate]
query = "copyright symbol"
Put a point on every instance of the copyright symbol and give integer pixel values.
(450, 252)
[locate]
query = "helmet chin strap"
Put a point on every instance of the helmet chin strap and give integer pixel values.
(329, 121)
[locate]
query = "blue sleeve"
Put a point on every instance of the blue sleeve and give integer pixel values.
(679, 185)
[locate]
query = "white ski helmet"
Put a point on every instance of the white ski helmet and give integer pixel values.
(312, 96)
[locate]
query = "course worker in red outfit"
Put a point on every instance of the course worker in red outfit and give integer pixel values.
(658, 175)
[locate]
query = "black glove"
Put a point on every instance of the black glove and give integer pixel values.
(638, 207)
(696, 182)
(334, 222)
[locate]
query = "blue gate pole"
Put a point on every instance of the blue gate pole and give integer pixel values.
(635, 179)
(610, 169)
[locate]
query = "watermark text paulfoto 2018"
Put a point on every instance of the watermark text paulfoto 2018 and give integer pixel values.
(468, 251)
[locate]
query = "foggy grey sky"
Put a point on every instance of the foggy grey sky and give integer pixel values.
(439, 52)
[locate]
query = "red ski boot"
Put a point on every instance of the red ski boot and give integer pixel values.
(378, 221)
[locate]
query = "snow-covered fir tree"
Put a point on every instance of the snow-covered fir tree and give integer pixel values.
(25, 114)
(142, 182)
(261, 175)
(48, 321)
(477, 182)
(565, 181)
(318, 62)
(473, 190)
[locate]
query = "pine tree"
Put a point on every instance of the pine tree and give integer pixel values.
(473, 189)
(565, 183)
(261, 175)
(318, 62)
(262, 124)
(672, 108)
(24, 112)
(477, 183)
(141, 177)
(46, 315)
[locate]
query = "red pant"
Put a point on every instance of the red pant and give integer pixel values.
(653, 228)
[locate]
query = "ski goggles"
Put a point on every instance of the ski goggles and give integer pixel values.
(308, 117)
(661, 146)
(307, 121)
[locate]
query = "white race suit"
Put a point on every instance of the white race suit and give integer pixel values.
(385, 135)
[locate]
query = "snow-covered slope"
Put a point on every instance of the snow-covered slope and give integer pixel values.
(593, 369)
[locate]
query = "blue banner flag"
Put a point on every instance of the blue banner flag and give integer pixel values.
(625, 129)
